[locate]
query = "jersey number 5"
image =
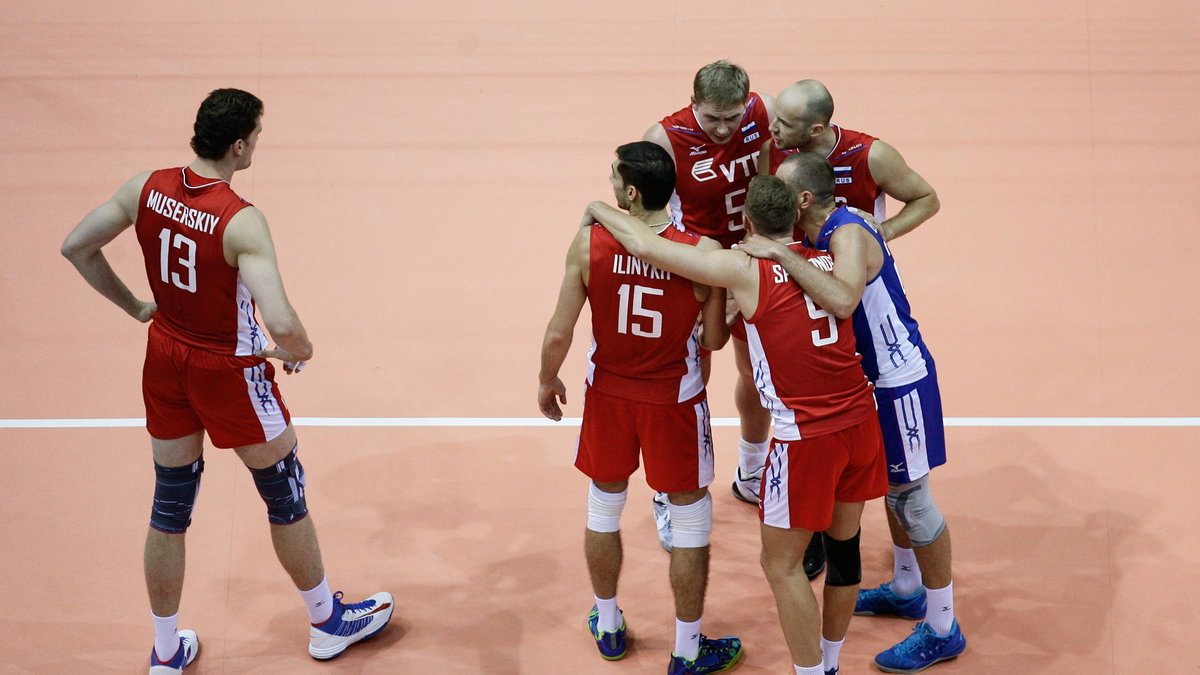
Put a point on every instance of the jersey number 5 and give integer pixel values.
(187, 262)
(632, 304)
(815, 313)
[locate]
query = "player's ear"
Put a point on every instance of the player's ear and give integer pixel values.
(632, 193)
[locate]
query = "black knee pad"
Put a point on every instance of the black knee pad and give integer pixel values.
(843, 566)
(175, 490)
(281, 487)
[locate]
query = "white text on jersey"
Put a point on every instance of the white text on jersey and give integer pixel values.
(176, 211)
(703, 170)
(627, 264)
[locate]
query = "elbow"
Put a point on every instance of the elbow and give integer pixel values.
(935, 204)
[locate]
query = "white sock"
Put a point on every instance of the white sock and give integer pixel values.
(906, 574)
(830, 652)
(319, 602)
(752, 456)
(610, 614)
(166, 635)
(687, 639)
(940, 615)
(810, 670)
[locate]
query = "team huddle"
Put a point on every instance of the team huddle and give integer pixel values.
(759, 219)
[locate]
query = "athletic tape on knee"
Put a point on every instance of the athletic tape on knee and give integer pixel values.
(604, 509)
(281, 487)
(843, 565)
(913, 506)
(175, 490)
(691, 524)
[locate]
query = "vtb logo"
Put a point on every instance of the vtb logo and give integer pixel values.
(743, 166)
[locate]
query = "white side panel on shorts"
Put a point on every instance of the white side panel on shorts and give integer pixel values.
(262, 397)
(912, 431)
(704, 445)
(591, 371)
(774, 491)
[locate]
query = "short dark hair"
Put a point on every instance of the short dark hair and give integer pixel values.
(771, 204)
(224, 117)
(649, 168)
(809, 172)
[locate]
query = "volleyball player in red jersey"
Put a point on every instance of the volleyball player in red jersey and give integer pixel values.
(826, 457)
(865, 170)
(644, 390)
(210, 261)
(715, 143)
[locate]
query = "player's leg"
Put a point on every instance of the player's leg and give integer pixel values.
(841, 544)
(281, 483)
(676, 441)
(177, 437)
(783, 563)
(607, 453)
(177, 466)
(755, 423)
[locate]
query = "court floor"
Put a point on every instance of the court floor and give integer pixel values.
(423, 168)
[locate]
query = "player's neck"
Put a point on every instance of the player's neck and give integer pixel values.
(655, 220)
(825, 143)
(208, 168)
(813, 220)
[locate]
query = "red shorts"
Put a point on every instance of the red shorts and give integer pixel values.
(804, 478)
(675, 441)
(233, 398)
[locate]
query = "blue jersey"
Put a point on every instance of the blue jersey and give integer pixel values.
(893, 353)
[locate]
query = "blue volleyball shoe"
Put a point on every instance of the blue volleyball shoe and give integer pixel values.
(610, 643)
(349, 624)
(883, 600)
(715, 656)
(189, 648)
(921, 649)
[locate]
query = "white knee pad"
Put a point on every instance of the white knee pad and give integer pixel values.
(913, 506)
(604, 509)
(691, 524)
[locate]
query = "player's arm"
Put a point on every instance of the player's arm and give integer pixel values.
(248, 245)
(764, 159)
(719, 267)
(82, 247)
(561, 329)
(839, 293)
(714, 331)
(900, 182)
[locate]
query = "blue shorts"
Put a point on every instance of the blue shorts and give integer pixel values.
(914, 436)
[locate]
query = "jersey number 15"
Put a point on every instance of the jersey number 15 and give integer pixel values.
(631, 304)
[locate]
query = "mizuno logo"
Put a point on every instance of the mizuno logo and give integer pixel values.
(896, 468)
(697, 150)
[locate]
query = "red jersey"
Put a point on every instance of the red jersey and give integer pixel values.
(202, 301)
(806, 368)
(711, 179)
(645, 325)
(853, 184)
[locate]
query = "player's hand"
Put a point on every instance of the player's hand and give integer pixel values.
(587, 220)
(290, 363)
(759, 246)
(549, 395)
(145, 311)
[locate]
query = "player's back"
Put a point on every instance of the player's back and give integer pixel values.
(711, 179)
(645, 324)
(806, 368)
(893, 352)
(201, 299)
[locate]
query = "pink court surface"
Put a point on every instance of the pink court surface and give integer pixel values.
(423, 167)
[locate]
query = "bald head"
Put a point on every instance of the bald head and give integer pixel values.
(807, 102)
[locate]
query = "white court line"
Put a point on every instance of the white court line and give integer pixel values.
(94, 423)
